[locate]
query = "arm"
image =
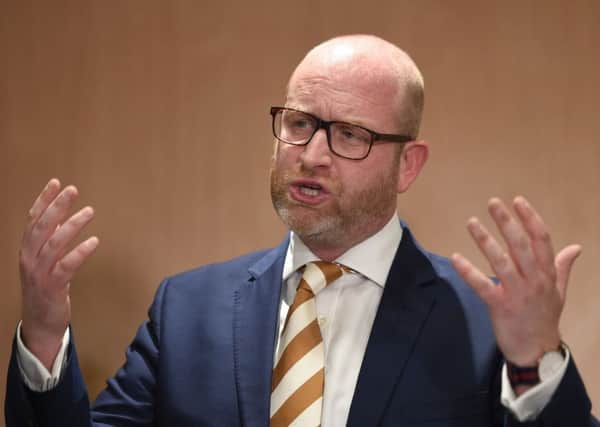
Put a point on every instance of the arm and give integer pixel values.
(127, 400)
(46, 268)
(66, 404)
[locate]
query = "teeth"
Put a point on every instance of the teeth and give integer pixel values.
(309, 191)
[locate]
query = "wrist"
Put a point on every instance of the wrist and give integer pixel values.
(43, 345)
(529, 354)
(523, 377)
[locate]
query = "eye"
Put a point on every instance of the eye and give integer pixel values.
(295, 120)
(351, 134)
(347, 133)
(300, 123)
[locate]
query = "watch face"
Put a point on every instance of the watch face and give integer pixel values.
(550, 364)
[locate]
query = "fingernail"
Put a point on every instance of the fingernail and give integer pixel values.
(473, 225)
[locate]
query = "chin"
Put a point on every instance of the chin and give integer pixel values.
(309, 226)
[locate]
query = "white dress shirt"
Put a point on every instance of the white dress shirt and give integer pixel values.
(346, 310)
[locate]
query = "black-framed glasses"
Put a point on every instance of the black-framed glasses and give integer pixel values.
(344, 139)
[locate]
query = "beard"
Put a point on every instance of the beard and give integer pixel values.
(347, 218)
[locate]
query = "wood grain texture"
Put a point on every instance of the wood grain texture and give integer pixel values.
(158, 111)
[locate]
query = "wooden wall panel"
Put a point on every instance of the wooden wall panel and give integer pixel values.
(158, 111)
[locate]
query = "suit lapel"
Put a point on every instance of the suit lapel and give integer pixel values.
(256, 308)
(399, 320)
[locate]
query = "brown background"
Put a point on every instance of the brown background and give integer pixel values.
(158, 111)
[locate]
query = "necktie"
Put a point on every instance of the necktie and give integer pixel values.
(298, 376)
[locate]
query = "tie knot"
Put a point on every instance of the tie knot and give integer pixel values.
(318, 274)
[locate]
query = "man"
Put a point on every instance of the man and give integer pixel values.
(400, 338)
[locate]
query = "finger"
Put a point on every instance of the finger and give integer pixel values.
(42, 201)
(516, 239)
(541, 242)
(500, 262)
(56, 245)
(65, 268)
(50, 218)
(564, 262)
(479, 282)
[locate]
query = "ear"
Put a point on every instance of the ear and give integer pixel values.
(413, 158)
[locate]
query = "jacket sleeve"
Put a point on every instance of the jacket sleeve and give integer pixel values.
(569, 406)
(66, 404)
(128, 399)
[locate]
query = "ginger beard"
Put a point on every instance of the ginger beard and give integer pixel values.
(353, 212)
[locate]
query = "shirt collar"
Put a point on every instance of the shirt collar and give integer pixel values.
(372, 257)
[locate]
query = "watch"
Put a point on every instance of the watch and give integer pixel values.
(548, 365)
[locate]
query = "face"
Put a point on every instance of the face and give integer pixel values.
(333, 203)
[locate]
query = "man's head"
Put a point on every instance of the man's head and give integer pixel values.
(331, 202)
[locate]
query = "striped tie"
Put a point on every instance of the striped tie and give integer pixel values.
(298, 377)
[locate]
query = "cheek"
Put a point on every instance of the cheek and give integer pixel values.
(285, 153)
(375, 176)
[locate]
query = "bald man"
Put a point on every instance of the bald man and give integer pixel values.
(348, 321)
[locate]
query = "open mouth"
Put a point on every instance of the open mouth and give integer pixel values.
(311, 190)
(308, 192)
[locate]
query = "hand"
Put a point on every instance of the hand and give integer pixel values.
(526, 305)
(46, 270)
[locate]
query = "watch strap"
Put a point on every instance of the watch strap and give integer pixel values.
(522, 375)
(527, 375)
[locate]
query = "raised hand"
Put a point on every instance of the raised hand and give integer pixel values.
(46, 268)
(526, 305)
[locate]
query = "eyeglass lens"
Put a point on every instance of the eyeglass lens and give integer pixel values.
(296, 127)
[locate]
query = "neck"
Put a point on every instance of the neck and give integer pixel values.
(330, 249)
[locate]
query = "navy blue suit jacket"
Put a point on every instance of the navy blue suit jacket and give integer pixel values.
(204, 357)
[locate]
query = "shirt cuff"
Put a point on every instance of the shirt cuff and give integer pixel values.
(33, 372)
(530, 404)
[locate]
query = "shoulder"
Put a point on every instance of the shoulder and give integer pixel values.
(220, 274)
(229, 267)
(209, 289)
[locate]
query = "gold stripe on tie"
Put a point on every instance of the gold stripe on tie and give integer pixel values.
(298, 376)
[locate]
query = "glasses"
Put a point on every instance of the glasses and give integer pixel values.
(344, 139)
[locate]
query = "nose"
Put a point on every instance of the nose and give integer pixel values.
(316, 153)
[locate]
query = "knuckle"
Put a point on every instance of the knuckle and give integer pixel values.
(507, 310)
(22, 255)
(528, 300)
(31, 278)
(503, 217)
(538, 285)
(482, 238)
(522, 243)
(25, 263)
(61, 199)
(52, 243)
(63, 266)
(60, 268)
(544, 236)
(24, 266)
(503, 261)
(41, 225)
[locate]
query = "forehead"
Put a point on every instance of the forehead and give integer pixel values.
(354, 90)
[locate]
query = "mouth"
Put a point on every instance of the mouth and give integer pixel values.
(308, 192)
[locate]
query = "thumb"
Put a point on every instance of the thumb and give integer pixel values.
(563, 264)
